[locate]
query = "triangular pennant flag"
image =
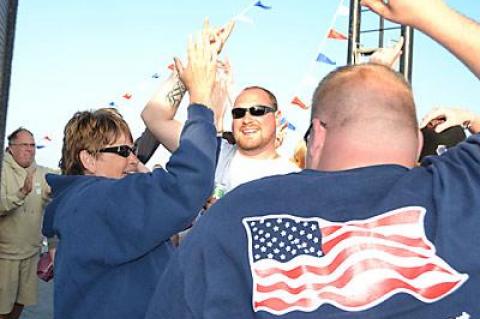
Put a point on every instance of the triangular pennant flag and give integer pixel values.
(111, 103)
(291, 126)
(343, 10)
(171, 66)
(261, 5)
(47, 138)
(334, 34)
(40, 147)
(296, 100)
(155, 75)
(323, 58)
(127, 96)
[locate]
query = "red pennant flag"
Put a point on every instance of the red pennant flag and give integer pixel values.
(296, 100)
(127, 96)
(171, 66)
(334, 34)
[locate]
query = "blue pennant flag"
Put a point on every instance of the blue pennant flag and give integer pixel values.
(40, 147)
(324, 59)
(155, 75)
(261, 5)
(111, 103)
(291, 126)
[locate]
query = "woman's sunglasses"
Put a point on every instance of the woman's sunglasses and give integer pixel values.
(256, 110)
(122, 150)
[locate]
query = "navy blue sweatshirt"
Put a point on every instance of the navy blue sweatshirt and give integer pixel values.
(368, 243)
(114, 233)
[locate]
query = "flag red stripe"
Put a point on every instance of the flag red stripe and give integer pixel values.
(412, 242)
(278, 304)
(400, 217)
(364, 265)
(385, 287)
(360, 300)
(341, 257)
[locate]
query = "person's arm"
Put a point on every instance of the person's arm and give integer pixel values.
(454, 31)
(152, 207)
(160, 111)
(453, 117)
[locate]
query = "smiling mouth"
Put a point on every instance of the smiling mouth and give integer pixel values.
(249, 131)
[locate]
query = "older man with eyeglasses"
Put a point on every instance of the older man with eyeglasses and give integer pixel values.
(24, 193)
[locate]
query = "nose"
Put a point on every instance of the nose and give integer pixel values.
(247, 118)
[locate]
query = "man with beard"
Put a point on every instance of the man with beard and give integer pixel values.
(254, 125)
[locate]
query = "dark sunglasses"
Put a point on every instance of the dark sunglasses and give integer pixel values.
(306, 137)
(122, 150)
(256, 110)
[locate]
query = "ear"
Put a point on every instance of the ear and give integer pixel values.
(315, 145)
(88, 162)
(420, 143)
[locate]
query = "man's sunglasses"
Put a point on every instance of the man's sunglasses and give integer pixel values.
(256, 110)
(122, 150)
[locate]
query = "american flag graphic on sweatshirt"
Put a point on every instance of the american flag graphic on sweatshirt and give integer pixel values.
(302, 263)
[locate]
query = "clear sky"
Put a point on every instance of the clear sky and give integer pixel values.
(76, 55)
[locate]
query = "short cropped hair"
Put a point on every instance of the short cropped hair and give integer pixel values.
(341, 95)
(90, 131)
(15, 133)
(272, 97)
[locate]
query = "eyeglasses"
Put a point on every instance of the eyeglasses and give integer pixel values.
(122, 150)
(24, 145)
(256, 110)
(306, 137)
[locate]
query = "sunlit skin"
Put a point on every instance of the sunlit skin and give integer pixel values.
(112, 165)
(255, 135)
(22, 149)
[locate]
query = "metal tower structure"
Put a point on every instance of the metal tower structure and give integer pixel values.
(355, 31)
(8, 14)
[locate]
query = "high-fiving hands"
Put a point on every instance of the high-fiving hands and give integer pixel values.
(199, 74)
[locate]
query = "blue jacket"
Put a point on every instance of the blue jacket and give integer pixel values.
(114, 234)
(368, 243)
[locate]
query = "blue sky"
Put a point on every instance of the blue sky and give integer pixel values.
(76, 55)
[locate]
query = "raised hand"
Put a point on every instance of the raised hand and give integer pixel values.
(200, 73)
(388, 56)
(409, 12)
(448, 117)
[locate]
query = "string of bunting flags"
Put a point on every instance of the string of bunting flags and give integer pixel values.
(331, 34)
(308, 79)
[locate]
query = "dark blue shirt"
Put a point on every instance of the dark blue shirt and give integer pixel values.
(374, 242)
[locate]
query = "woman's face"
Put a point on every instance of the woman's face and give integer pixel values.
(110, 162)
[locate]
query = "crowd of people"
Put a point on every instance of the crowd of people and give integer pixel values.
(366, 230)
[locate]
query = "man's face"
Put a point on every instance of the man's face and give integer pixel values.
(114, 165)
(22, 149)
(254, 134)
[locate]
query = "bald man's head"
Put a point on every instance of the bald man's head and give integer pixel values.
(368, 118)
(367, 96)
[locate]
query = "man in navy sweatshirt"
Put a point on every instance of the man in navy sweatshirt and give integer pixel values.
(362, 233)
(114, 227)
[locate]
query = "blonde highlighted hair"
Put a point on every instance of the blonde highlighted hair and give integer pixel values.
(90, 131)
